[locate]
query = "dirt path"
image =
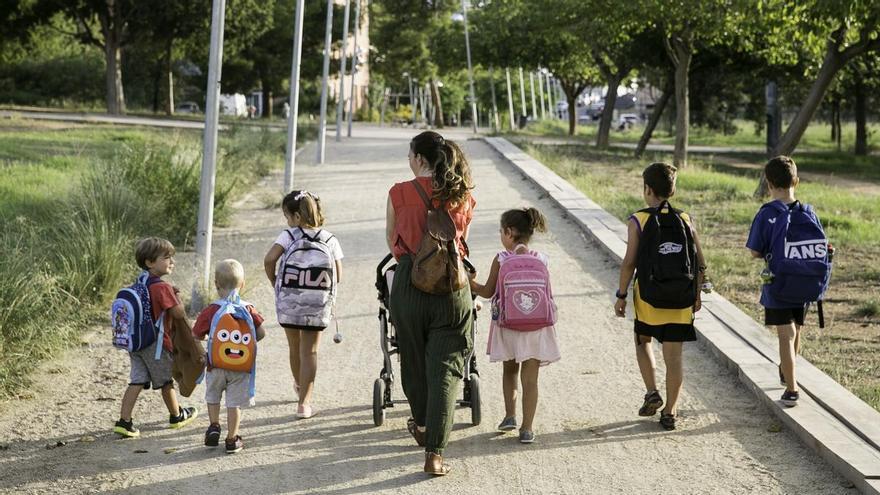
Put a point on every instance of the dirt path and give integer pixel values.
(590, 439)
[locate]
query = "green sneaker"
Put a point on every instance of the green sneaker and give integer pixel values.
(126, 429)
(187, 414)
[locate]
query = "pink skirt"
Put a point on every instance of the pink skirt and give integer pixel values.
(512, 345)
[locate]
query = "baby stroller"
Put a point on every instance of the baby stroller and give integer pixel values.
(388, 342)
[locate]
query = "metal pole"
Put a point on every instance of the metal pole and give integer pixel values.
(494, 104)
(532, 87)
(509, 100)
(467, 44)
(384, 104)
(354, 62)
(522, 92)
(541, 94)
(340, 103)
(204, 229)
(412, 100)
(550, 105)
(290, 152)
(322, 126)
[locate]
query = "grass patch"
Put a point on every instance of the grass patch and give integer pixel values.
(722, 205)
(73, 202)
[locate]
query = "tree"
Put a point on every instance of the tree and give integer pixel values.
(849, 30)
(686, 25)
(611, 31)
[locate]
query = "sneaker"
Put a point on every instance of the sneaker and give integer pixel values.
(126, 429)
(305, 412)
(507, 424)
(234, 445)
(653, 401)
(212, 436)
(789, 398)
(667, 421)
(187, 414)
(526, 436)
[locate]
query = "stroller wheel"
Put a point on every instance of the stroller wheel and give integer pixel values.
(378, 402)
(476, 413)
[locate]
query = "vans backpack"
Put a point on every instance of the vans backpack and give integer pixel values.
(667, 265)
(798, 257)
(523, 298)
(131, 318)
(438, 267)
(305, 288)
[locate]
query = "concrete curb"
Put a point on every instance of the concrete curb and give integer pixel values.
(831, 420)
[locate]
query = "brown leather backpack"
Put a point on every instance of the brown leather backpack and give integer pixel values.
(437, 267)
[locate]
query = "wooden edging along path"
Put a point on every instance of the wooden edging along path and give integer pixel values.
(839, 426)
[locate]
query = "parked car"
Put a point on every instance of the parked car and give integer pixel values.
(627, 120)
(188, 107)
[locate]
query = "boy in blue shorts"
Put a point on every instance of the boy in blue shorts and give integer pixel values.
(779, 310)
(156, 256)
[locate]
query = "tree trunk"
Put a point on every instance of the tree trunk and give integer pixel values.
(613, 81)
(112, 29)
(684, 53)
(169, 102)
(861, 117)
(572, 111)
(113, 76)
(659, 106)
(835, 109)
(438, 104)
(510, 102)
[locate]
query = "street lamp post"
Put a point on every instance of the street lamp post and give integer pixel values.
(322, 125)
(354, 62)
(340, 104)
(467, 44)
(290, 151)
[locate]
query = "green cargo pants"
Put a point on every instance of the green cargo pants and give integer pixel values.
(434, 338)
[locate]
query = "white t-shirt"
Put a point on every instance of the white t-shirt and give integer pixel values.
(285, 240)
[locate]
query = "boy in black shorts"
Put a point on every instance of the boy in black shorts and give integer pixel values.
(781, 174)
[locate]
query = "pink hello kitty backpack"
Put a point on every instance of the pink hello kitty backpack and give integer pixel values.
(523, 298)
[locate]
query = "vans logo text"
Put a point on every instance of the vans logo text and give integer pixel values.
(669, 248)
(806, 250)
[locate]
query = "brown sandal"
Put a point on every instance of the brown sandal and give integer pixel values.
(434, 465)
(413, 430)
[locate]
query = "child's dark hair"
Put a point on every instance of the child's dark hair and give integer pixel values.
(451, 173)
(780, 171)
(151, 249)
(660, 177)
(524, 222)
(308, 206)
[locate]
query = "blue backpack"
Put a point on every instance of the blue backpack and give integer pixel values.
(798, 259)
(131, 318)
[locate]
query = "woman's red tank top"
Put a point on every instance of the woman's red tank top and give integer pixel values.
(411, 216)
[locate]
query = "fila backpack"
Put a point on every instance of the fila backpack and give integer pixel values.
(305, 286)
(667, 264)
(798, 256)
(131, 318)
(523, 298)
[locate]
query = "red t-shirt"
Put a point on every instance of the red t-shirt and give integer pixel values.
(203, 321)
(411, 216)
(162, 297)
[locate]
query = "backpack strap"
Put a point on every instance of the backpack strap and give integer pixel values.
(423, 194)
(145, 279)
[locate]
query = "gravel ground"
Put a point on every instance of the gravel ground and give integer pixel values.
(589, 438)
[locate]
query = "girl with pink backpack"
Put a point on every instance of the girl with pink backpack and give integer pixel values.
(522, 332)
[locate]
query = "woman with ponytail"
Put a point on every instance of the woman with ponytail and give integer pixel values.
(432, 330)
(522, 334)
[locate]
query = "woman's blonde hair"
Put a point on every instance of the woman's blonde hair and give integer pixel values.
(308, 206)
(451, 173)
